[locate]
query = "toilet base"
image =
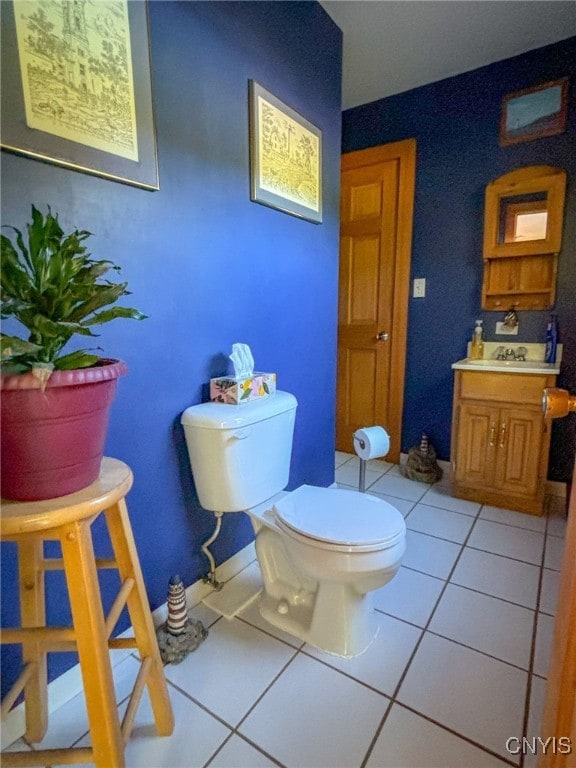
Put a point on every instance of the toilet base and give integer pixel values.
(336, 620)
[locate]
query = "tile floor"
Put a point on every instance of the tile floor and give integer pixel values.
(458, 667)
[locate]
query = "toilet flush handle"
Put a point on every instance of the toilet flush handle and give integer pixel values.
(240, 434)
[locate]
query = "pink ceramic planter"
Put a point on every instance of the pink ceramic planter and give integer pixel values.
(53, 440)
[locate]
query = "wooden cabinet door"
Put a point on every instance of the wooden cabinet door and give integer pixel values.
(477, 433)
(518, 450)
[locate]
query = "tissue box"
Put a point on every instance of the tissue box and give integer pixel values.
(227, 389)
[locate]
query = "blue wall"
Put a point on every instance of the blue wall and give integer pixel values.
(208, 266)
(456, 124)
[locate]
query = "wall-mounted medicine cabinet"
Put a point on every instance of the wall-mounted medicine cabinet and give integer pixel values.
(524, 212)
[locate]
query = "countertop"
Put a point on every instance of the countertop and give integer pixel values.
(534, 362)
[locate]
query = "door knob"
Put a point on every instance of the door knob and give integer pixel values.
(557, 403)
(382, 336)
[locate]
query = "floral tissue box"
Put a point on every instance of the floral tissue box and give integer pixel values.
(227, 389)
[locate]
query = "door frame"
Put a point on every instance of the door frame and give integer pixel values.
(405, 154)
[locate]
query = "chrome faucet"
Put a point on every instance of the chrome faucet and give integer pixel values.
(511, 354)
(521, 353)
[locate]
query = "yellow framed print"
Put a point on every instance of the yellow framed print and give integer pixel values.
(285, 157)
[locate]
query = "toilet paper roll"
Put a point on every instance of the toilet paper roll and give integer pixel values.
(371, 442)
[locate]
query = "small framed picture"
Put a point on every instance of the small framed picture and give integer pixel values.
(285, 157)
(534, 112)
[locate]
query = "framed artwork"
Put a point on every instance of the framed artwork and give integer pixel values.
(534, 112)
(76, 87)
(285, 157)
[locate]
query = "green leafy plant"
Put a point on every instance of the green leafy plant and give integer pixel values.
(52, 286)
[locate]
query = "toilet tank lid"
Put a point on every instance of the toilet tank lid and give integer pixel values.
(227, 416)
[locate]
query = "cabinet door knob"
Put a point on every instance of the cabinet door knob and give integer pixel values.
(382, 336)
(502, 434)
(492, 434)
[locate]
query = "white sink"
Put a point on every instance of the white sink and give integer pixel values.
(507, 366)
(508, 363)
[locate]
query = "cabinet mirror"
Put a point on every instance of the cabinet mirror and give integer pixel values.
(523, 219)
(524, 212)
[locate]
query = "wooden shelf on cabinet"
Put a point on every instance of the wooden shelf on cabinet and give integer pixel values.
(527, 282)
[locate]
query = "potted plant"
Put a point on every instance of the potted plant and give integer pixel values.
(54, 404)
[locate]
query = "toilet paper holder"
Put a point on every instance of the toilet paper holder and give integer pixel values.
(362, 476)
(369, 443)
(363, 462)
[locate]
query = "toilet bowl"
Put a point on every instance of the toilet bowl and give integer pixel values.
(322, 551)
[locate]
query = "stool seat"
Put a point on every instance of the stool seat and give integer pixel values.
(68, 519)
(113, 483)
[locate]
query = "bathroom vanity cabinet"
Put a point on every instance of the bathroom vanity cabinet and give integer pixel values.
(500, 439)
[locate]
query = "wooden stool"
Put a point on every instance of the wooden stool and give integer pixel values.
(68, 519)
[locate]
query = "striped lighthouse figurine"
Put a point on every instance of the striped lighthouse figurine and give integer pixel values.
(177, 613)
(179, 634)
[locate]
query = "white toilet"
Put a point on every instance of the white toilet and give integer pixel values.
(321, 550)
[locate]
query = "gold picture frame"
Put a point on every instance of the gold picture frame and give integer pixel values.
(285, 157)
(76, 87)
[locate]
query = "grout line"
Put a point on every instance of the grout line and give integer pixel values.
(425, 573)
(447, 728)
(495, 597)
(515, 559)
(517, 527)
(248, 741)
(399, 618)
(218, 749)
(435, 536)
(445, 509)
(265, 691)
(377, 734)
(270, 634)
(200, 704)
(346, 674)
(477, 650)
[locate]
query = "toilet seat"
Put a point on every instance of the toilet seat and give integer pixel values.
(339, 520)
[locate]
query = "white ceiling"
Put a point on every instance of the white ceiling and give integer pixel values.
(392, 46)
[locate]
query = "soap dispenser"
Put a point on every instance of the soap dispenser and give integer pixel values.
(477, 346)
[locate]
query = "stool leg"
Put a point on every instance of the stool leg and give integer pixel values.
(33, 614)
(126, 554)
(92, 644)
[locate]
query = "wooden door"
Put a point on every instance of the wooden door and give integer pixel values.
(377, 201)
(559, 718)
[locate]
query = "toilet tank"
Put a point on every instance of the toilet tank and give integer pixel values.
(240, 454)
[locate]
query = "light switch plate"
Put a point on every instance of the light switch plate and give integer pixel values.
(419, 288)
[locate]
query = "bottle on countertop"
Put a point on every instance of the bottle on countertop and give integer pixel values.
(477, 345)
(551, 340)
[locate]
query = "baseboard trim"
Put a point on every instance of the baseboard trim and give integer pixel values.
(555, 488)
(69, 684)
